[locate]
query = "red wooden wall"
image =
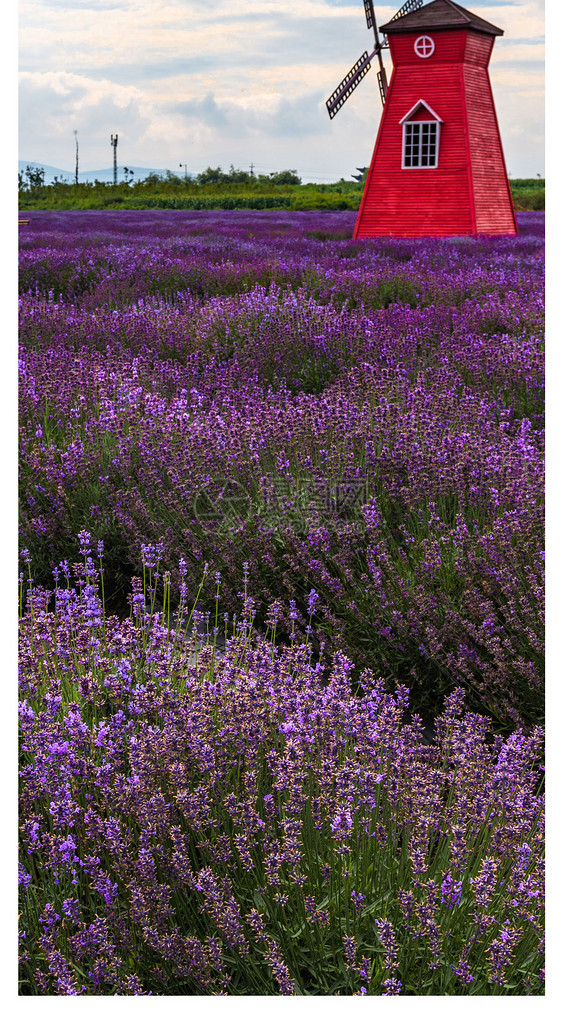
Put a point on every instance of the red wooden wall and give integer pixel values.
(468, 191)
(493, 203)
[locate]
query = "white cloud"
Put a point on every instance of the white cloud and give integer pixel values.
(209, 81)
(55, 103)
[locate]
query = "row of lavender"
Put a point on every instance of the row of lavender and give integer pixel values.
(363, 423)
(245, 823)
(365, 419)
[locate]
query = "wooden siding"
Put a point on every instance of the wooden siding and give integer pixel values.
(493, 203)
(422, 115)
(449, 48)
(420, 202)
(468, 191)
(478, 48)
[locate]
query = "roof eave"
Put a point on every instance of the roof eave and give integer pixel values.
(392, 28)
(448, 15)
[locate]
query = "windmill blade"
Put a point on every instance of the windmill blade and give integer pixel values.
(349, 83)
(363, 65)
(369, 12)
(410, 5)
(383, 84)
(379, 44)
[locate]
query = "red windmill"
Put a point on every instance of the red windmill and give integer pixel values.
(438, 167)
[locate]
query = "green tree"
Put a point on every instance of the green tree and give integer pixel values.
(286, 176)
(238, 176)
(32, 178)
(211, 176)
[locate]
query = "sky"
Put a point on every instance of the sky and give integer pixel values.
(241, 82)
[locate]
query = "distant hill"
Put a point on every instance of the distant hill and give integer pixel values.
(103, 175)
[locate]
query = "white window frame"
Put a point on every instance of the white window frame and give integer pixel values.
(407, 121)
(425, 39)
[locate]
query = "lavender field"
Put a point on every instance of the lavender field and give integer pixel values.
(281, 607)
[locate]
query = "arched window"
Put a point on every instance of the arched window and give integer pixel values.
(421, 130)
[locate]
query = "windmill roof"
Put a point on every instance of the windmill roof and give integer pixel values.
(440, 14)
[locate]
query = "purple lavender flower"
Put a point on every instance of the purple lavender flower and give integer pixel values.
(365, 422)
(451, 891)
(24, 878)
(84, 539)
(313, 598)
(391, 987)
(152, 554)
(358, 900)
(462, 971)
(349, 947)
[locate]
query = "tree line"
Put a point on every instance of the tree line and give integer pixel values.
(214, 188)
(33, 178)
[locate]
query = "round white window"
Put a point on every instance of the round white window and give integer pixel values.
(424, 45)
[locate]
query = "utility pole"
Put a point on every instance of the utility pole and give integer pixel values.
(76, 170)
(184, 167)
(252, 169)
(114, 146)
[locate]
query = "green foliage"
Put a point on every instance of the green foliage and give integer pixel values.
(215, 189)
(528, 195)
(536, 183)
(31, 179)
(288, 176)
(211, 189)
(207, 203)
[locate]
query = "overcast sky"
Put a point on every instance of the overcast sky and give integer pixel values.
(215, 82)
